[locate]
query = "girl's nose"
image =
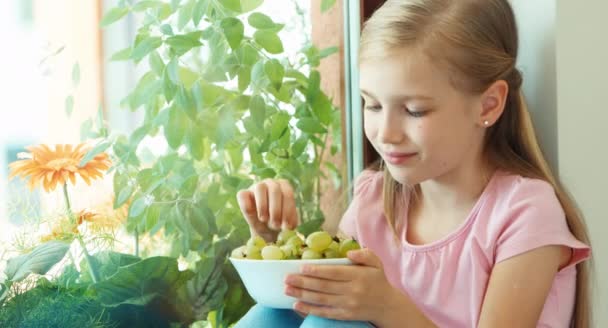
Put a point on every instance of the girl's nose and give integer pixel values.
(390, 130)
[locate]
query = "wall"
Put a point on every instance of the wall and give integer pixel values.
(563, 56)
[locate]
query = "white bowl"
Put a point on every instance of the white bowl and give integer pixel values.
(265, 279)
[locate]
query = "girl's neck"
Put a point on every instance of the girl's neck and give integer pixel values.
(456, 190)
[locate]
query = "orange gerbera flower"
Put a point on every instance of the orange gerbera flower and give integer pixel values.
(52, 167)
(66, 229)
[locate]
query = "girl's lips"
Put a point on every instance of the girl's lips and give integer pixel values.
(398, 158)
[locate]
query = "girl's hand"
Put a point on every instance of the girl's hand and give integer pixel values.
(359, 292)
(269, 206)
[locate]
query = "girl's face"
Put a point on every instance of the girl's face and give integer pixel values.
(416, 120)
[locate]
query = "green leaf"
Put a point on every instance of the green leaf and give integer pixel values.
(109, 263)
(39, 261)
(145, 46)
(166, 29)
(280, 122)
(113, 15)
(241, 6)
(173, 71)
(152, 217)
(236, 158)
(146, 90)
(226, 128)
(326, 5)
(169, 88)
(197, 142)
(269, 41)
(138, 135)
(185, 14)
(162, 12)
(314, 86)
(123, 196)
(98, 149)
(244, 77)
(181, 44)
(328, 52)
(233, 30)
(142, 282)
(146, 4)
(211, 93)
(323, 108)
(254, 153)
(75, 74)
(265, 173)
(176, 127)
(257, 73)
(207, 289)
(69, 105)
(199, 11)
(137, 207)
(275, 72)
(184, 101)
(299, 146)
(309, 227)
(257, 107)
(310, 125)
(123, 54)
(156, 63)
(261, 21)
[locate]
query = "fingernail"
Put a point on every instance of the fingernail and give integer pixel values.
(288, 279)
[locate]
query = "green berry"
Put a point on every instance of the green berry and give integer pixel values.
(348, 245)
(238, 253)
(253, 252)
(285, 235)
(318, 241)
(331, 254)
(257, 241)
(310, 254)
(272, 252)
(296, 241)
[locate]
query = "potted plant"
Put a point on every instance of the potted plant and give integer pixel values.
(232, 109)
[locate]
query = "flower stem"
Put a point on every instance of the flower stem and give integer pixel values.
(67, 203)
(92, 266)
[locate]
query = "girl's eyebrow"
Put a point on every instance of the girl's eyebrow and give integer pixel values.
(401, 97)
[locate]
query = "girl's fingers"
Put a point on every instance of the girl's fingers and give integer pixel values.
(275, 204)
(290, 214)
(318, 285)
(260, 191)
(246, 201)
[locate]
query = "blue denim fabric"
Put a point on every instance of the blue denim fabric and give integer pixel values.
(263, 317)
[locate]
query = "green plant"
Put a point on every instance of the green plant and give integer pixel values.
(232, 109)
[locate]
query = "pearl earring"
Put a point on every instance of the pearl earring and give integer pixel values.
(486, 123)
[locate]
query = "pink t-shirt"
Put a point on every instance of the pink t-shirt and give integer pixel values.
(447, 278)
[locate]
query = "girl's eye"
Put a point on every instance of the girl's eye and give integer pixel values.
(374, 108)
(418, 113)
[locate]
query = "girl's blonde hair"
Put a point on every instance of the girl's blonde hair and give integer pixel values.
(476, 41)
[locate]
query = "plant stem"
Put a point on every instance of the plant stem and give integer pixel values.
(87, 256)
(67, 204)
(92, 266)
(320, 168)
(136, 242)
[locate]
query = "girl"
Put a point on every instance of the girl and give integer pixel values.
(464, 224)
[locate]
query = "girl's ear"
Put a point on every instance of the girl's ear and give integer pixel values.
(493, 102)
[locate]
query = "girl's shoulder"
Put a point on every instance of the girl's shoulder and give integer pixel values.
(368, 183)
(509, 187)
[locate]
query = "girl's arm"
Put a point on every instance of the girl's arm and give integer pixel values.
(519, 286)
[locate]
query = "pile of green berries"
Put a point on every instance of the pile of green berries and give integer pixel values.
(291, 246)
